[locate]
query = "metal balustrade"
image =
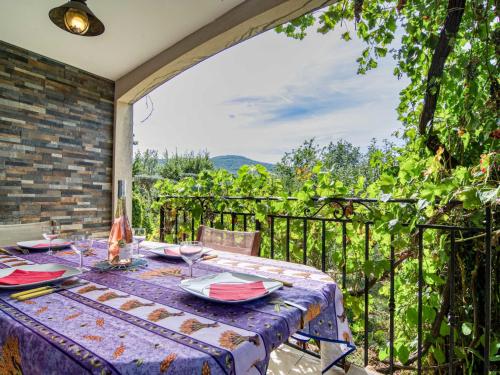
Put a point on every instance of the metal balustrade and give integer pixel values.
(178, 211)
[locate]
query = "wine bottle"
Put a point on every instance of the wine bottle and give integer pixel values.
(120, 238)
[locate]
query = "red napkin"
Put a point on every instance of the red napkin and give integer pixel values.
(172, 251)
(27, 277)
(237, 292)
(54, 244)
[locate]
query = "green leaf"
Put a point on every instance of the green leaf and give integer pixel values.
(466, 328)
(383, 353)
(381, 51)
(346, 36)
(438, 354)
(444, 329)
(403, 353)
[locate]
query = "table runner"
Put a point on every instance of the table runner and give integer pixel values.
(141, 322)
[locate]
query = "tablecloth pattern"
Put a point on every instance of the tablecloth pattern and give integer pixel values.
(141, 322)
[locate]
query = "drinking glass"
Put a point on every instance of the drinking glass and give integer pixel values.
(139, 235)
(81, 244)
(191, 251)
(51, 232)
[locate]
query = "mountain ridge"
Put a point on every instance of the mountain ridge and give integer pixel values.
(232, 163)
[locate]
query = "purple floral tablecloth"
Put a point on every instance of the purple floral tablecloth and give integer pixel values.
(140, 321)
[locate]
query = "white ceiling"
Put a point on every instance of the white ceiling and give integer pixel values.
(136, 30)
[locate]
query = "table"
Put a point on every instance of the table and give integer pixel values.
(140, 321)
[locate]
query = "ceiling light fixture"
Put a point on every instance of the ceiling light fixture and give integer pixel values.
(76, 17)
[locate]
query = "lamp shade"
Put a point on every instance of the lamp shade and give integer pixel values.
(76, 17)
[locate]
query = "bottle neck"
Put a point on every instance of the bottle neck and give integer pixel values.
(121, 207)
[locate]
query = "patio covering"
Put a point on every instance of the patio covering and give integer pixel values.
(66, 100)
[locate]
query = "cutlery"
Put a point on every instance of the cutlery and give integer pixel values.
(278, 303)
(3, 251)
(208, 257)
(23, 250)
(296, 305)
(285, 283)
(39, 292)
(65, 284)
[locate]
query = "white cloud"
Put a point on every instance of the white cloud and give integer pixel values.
(266, 95)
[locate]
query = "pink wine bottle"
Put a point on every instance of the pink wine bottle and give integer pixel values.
(120, 238)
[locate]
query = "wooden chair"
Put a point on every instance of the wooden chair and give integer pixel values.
(247, 243)
(13, 233)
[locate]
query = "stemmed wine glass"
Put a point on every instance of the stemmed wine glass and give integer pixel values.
(81, 244)
(191, 251)
(51, 232)
(139, 235)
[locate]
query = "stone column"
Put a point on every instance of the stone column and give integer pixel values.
(123, 151)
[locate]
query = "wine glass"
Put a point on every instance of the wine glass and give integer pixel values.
(191, 251)
(81, 244)
(139, 235)
(51, 232)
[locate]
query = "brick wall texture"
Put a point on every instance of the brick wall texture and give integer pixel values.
(56, 129)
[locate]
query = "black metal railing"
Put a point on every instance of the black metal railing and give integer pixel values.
(180, 215)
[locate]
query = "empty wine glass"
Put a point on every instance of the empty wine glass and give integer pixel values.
(139, 235)
(191, 251)
(81, 244)
(51, 232)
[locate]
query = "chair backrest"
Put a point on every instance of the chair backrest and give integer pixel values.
(12, 233)
(247, 243)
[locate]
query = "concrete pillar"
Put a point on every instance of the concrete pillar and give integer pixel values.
(123, 151)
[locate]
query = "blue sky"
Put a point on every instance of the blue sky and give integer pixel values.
(267, 95)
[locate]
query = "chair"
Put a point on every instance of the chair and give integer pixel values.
(247, 243)
(12, 233)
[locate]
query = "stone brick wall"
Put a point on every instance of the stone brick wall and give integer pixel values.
(56, 129)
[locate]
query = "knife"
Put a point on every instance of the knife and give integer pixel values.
(3, 251)
(39, 292)
(285, 283)
(296, 305)
(208, 257)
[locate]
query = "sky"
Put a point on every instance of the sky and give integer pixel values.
(265, 96)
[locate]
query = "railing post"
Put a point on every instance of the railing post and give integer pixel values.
(258, 225)
(304, 241)
(176, 226)
(344, 254)
(392, 308)
(192, 227)
(162, 223)
(451, 314)
(323, 245)
(419, 302)
(367, 298)
(487, 293)
(287, 245)
(272, 237)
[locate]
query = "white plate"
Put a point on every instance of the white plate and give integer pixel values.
(200, 286)
(57, 244)
(161, 251)
(47, 267)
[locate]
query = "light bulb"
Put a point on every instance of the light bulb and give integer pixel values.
(76, 21)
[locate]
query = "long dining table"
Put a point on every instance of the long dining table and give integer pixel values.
(139, 321)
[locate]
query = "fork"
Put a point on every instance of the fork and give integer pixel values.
(23, 250)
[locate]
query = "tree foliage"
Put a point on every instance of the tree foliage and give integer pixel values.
(449, 110)
(346, 162)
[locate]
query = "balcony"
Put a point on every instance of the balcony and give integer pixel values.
(390, 284)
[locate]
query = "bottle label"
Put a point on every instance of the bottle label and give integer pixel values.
(126, 252)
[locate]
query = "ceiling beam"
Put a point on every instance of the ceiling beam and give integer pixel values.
(244, 21)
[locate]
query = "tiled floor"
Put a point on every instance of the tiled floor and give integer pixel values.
(289, 361)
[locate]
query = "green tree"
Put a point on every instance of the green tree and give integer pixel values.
(449, 51)
(175, 166)
(343, 161)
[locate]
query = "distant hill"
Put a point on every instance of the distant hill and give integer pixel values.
(232, 163)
